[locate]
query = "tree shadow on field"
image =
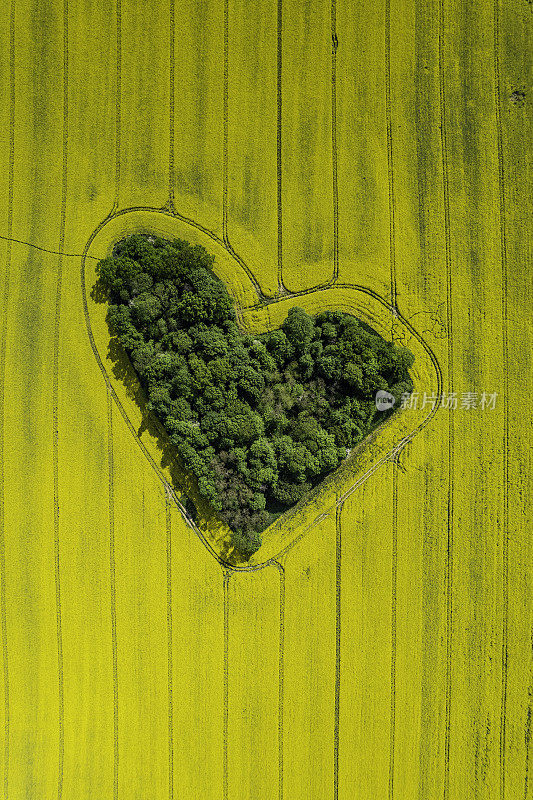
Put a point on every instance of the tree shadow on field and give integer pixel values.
(197, 508)
(99, 293)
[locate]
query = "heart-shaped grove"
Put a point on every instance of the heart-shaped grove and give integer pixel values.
(260, 408)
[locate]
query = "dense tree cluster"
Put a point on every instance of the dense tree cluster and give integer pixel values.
(259, 420)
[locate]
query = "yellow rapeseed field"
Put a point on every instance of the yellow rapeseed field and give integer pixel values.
(374, 158)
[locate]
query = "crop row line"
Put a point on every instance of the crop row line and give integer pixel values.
(12, 240)
(55, 410)
(118, 102)
(338, 632)
(171, 166)
(225, 127)
(390, 163)
(505, 359)
(279, 142)
(5, 302)
(334, 157)
(170, 659)
(393, 304)
(113, 593)
(225, 713)
(281, 676)
(450, 359)
(394, 594)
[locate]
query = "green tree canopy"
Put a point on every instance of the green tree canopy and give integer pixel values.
(258, 420)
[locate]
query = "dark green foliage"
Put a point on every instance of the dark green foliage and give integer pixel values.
(258, 420)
